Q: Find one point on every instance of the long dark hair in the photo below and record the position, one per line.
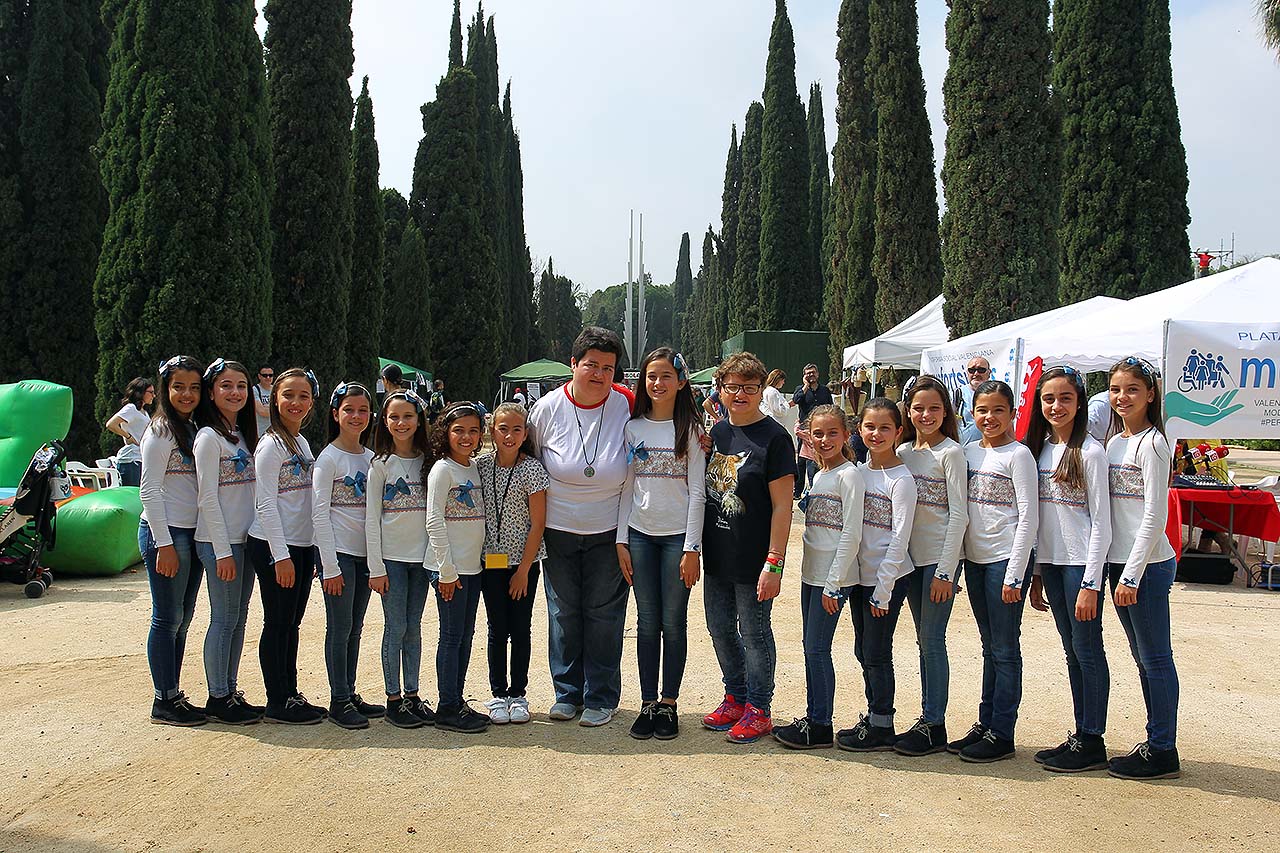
(277, 428)
(995, 386)
(882, 404)
(342, 392)
(438, 443)
(1142, 370)
(949, 427)
(383, 443)
(686, 411)
(136, 391)
(167, 420)
(207, 413)
(1070, 470)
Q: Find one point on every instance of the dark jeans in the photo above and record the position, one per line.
(931, 636)
(402, 609)
(819, 629)
(173, 603)
(457, 627)
(587, 613)
(1146, 624)
(344, 623)
(130, 473)
(742, 635)
(806, 469)
(1000, 629)
(509, 620)
(873, 647)
(228, 612)
(282, 612)
(662, 612)
(1082, 641)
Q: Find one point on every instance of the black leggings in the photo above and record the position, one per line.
(282, 612)
(509, 619)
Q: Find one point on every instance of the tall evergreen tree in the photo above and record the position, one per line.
(13, 60)
(789, 297)
(455, 37)
(907, 263)
(559, 317)
(368, 246)
(717, 307)
(309, 62)
(742, 297)
(681, 293)
(1001, 168)
(819, 203)
(409, 335)
(711, 286)
(519, 269)
(395, 216)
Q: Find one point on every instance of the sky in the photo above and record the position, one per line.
(628, 106)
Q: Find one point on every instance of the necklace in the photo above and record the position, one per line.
(590, 470)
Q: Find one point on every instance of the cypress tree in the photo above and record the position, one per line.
(519, 268)
(1000, 172)
(13, 49)
(742, 297)
(711, 286)
(819, 203)
(717, 307)
(559, 318)
(681, 293)
(368, 246)
(395, 216)
(455, 37)
(409, 332)
(788, 295)
(907, 263)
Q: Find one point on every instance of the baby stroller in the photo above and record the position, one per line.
(26, 527)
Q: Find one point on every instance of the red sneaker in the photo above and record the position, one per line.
(754, 725)
(723, 718)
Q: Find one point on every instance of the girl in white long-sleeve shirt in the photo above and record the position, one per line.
(1075, 531)
(884, 567)
(829, 569)
(281, 542)
(932, 453)
(1003, 517)
(1140, 562)
(225, 477)
(455, 555)
(339, 483)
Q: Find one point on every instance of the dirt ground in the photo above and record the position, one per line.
(82, 770)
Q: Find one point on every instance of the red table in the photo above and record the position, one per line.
(1247, 512)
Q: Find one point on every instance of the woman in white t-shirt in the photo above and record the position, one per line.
(130, 423)
(774, 403)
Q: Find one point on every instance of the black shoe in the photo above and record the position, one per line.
(400, 713)
(257, 709)
(423, 711)
(666, 722)
(311, 707)
(347, 715)
(804, 734)
(642, 728)
(923, 738)
(1045, 754)
(865, 737)
(230, 711)
(987, 750)
(1145, 763)
(177, 711)
(295, 711)
(1083, 752)
(370, 710)
(461, 718)
(976, 731)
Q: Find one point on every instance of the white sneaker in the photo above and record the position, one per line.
(518, 708)
(596, 717)
(497, 710)
(563, 711)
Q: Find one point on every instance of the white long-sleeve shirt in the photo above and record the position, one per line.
(1075, 521)
(339, 481)
(775, 404)
(168, 485)
(942, 514)
(888, 515)
(396, 520)
(1003, 507)
(833, 529)
(1139, 478)
(224, 481)
(282, 495)
(663, 495)
(455, 520)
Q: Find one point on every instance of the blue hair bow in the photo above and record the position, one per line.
(211, 372)
(681, 366)
(357, 483)
(167, 367)
(637, 451)
(298, 464)
(241, 459)
(464, 494)
(399, 487)
(315, 383)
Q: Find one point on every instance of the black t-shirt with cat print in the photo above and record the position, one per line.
(744, 461)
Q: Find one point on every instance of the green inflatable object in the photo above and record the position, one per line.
(32, 412)
(97, 533)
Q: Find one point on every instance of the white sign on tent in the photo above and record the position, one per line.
(1222, 375)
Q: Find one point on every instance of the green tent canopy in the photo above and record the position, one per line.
(543, 369)
(424, 375)
(704, 376)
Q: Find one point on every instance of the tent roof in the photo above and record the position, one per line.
(703, 376)
(425, 374)
(537, 370)
(901, 346)
(1024, 326)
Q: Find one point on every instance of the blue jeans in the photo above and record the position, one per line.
(130, 473)
(1146, 624)
(662, 612)
(344, 622)
(402, 609)
(587, 613)
(228, 612)
(819, 629)
(1082, 641)
(806, 470)
(457, 628)
(742, 635)
(931, 636)
(1000, 629)
(873, 647)
(173, 603)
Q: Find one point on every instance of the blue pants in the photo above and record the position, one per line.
(173, 603)
(873, 647)
(344, 623)
(742, 635)
(1082, 641)
(1146, 624)
(457, 628)
(402, 609)
(931, 636)
(130, 473)
(1000, 629)
(662, 612)
(228, 612)
(819, 629)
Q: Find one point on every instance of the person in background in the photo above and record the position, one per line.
(774, 404)
(713, 406)
(262, 398)
(130, 423)
(979, 371)
(393, 380)
(1100, 415)
(519, 397)
(808, 396)
(436, 401)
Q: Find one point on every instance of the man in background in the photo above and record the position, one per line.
(262, 398)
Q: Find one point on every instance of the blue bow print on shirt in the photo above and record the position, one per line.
(241, 459)
(356, 483)
(637, 451)
(392, 489)
(464, 494)
(186, 460)
(299, 464)
(803, 506)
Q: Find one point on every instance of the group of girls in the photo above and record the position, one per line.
(409, 515)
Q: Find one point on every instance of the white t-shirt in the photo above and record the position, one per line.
(263, 396)
(224, 480)
(168, 486)
(135, 423)
(1100, 415)
(664, 495)
(396, 520)
(1139, 467)
(282, 495)
(1075, 522)
(570, 439)
(833, 529)
(340, 482)
(942, 487)
(455, 520)
(775, 404)
(888, 514)
(1003, 507)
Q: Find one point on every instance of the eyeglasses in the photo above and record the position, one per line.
(974, 371)
(267, 375)
(734, 388)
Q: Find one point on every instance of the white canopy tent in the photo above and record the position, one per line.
(901, 346)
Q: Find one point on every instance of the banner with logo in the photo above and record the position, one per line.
(948, 363)
(1220, 379)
